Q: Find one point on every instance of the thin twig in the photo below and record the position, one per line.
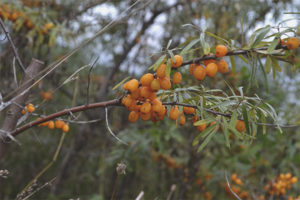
(38, 189)
(140, 196)
(12, 45)
(89, 79)
(236, 196)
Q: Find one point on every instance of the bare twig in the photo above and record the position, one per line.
(12, 45)
(172, 190)
(89, 79)
(39, 188)
(140, 196)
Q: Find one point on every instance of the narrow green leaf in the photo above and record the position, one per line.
(275, 64)
(268, 64)
(169, 44)
(233, 65)
(264, 74)
(207, 139)
(233, 119)
(243, 58)
(260, 36)
(171, 55)
(168, 69)
(225, 130)
(246, 119)
(120, 83)
(216, 37)
(189, 46)
(273, 44)
(201, 122)
(157, 63)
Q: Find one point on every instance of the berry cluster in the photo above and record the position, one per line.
(59, 124)
(236, 188)
(28, 108)
(281, 184)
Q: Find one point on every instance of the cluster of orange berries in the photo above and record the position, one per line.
(236, 188)
(59, 124)
(28, 108)
(281, 184)
(167, 159)
(6, 12)
(47, 96)
(292, 198)
(291, 43)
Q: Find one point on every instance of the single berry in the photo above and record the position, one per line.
(178, 61)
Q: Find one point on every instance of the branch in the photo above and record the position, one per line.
(12, 45)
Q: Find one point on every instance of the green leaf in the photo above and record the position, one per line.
(120, 83)
(233, 119)
(171, 55)
(273, 44)
(268, 64)
(201, 122)
(157, 63)
(189, 46)
(259, 36)
(208, 138)
(205, 45)
(275, 64)
(217, 37)
(226, 132)
(169, 44)
(168, 69)
(243, 58)
(246, 119)
(264, 74)
(233, 65)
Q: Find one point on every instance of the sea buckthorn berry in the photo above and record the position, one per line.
(146, 79)
(155, 85)
(132, 106)
(145, 116)
(176, 78)
(178, 61)
(29, 24)
(201, 127)
(152, 96)
(161, 71)
(222, 66)
(288, 175)
(174, 113)
(240, 126)
(59, 123)
(195, 118)
(206, 62)
(221, 50)
(200, 73)
(51, 125)
(211, 69)
(292, 43)
(131, 85)
(165, 83)
(127, 101)
(145, 92)
(193, 67)
(294, 180)
(182, 119)
(146, 108)
(282, 42)
(45, 123)
(238, 181)
(23, 112)
(30, 108)
(65, 128)
(188, 110)
(233, 177)
(133, 116)
(47, 96)
(135, 94)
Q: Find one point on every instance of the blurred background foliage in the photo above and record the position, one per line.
(160, 154)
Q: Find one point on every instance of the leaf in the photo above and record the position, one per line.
(260, 35)
(169, 44)
(208, 138)
(226, 133)
(264, 74)
(268, 64)
(233, 65)
(205, 45)
(275, 64)
(273, 44)
(243, 58)
(201, 122)
(120, 83)
(171, 55)
(168, 69)
(189, 46)
(217, 37)
(157, 63)
(246, 119)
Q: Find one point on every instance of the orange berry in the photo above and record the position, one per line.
(182, 119)
(135, 94)
(145, 92)
(29, 24)
(161, 71)
(201, 127)
(165, 83)
(206, 62)
(45, 123)
(131, 85)
(238, 181)
(282, 42)
(221, 50)
(146, 79)
(59, 123)
(294, 180)
(133, 116)
(234, 177)
(155, 85)
(193, 67)
(127, 101)
(48, 25)
(23, 112)
(178, 61)
(174, 113)
(51, 125)
(176, 78)
(65, 128)
(145, 116)
(240, 126)
(288, 175)
(222, 66)
(199, 73)
(146, 108)
(30, 108)
(158, 109)
(195, 118)
(211, 69)
(46, 95)
(188, 110)
(152, 96)
(292, 43)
